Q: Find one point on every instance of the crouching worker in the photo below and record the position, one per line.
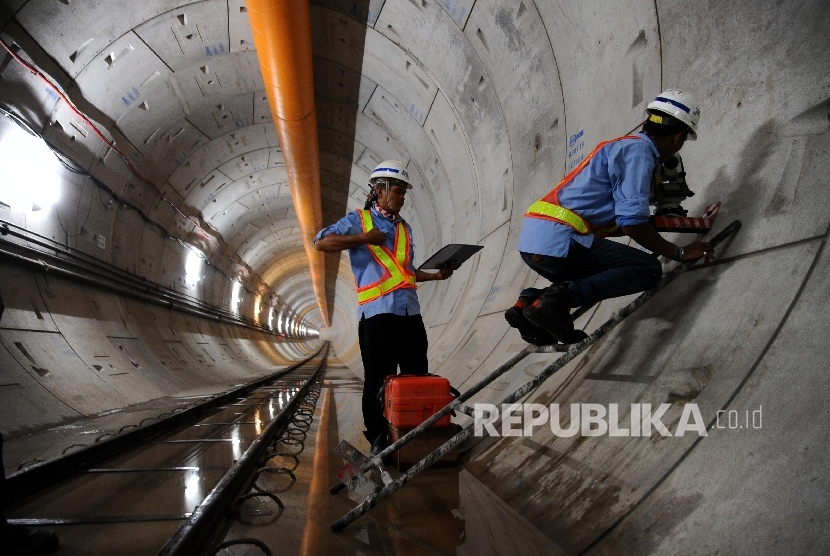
(562, 236)
(390, 330)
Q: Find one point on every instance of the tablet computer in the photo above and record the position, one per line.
(453, 253)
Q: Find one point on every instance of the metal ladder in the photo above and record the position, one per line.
(353, 474)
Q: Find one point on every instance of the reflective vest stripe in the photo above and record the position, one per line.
(548, 207)
(396, 268)
(560, 214)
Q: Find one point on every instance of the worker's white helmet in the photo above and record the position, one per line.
(679, 105)
(392, 169)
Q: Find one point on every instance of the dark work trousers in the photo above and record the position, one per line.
(387, 342)
(608, 269)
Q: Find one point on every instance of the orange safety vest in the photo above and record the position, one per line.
(396, 272)
(548, 208)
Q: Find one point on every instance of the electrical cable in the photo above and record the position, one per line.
(72, 167)
(60, 92)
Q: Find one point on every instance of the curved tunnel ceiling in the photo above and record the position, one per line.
(486, 101)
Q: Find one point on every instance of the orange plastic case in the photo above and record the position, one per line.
(409, 400)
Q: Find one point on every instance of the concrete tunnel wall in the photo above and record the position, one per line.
(490, 103)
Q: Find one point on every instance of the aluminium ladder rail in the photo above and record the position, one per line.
(569, 353)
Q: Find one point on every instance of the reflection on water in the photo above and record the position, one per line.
(236, 443)
(427, 516)
(257, 422)
(422, 518)
(193, 489)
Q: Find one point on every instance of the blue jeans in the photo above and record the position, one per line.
(608, 269)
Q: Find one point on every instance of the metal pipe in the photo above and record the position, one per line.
(141, 291)
(282, 35)
(74, 264)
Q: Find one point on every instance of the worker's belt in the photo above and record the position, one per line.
(396, 273)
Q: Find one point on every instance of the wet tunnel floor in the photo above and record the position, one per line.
(441, 511)
(132, 504)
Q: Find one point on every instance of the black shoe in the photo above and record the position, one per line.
(529, 333)
(552, 313)
(23, 540)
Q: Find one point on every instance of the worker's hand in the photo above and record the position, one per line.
(445, 271)
(698, 249)
(374, 237)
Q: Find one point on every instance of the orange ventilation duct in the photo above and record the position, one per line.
(282, 35)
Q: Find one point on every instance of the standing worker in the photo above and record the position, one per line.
(390, 330)
(562, 236)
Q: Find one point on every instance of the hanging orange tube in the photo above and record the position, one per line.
(282, 35)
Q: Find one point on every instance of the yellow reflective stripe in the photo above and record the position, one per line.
(396, 278)
(403, 252)
(368, 295)
(366, 220)
(569, 217)
(401, 245)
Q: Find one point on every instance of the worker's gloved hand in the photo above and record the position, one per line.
(698, 249)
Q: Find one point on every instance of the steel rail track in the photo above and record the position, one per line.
(134, 478)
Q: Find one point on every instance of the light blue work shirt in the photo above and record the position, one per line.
(612, 188)
(403, 301)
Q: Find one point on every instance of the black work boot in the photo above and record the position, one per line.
(552, 313)
(530, 333)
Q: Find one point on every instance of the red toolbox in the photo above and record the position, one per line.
(409, 400)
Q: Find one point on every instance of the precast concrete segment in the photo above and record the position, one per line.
(793, 364)
(723, 424)
(282, 34)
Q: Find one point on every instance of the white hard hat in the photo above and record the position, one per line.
(679, 105)
(392, 169)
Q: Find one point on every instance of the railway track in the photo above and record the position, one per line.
(171, 487)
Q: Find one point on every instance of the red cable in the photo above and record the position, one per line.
(123, 156)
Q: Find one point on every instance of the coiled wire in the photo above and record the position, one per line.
(288, 445)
